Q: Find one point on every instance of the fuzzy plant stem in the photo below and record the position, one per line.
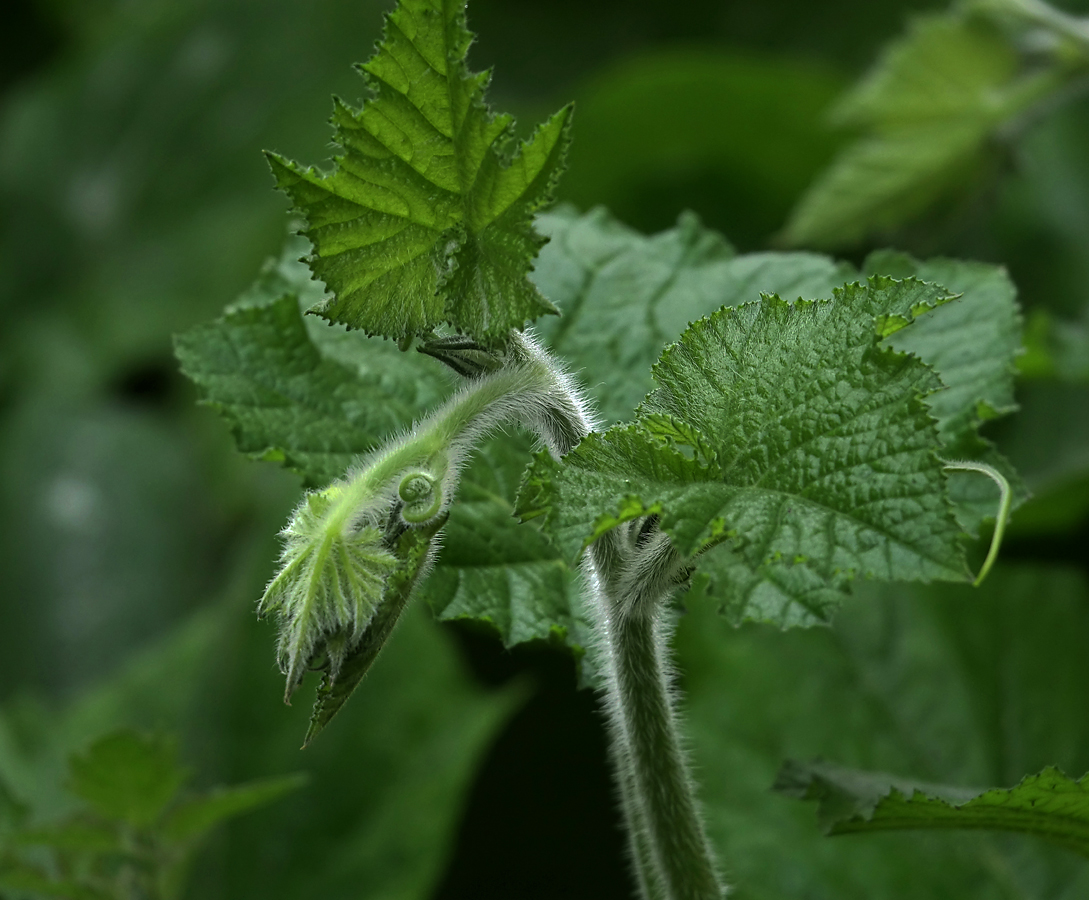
(632, 572)
(444, 439)
(634, 578)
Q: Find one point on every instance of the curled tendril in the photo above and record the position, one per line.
(1005, 504)
(421, 494)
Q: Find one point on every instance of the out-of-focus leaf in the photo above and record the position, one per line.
(74, 835)
(128, 776)
(384, 797)
(15, 876)
(946, 684)
(13, 811)
(1048, 442)
(192, 818)
(734, 136)
(1049, 805)
(1055, 349)
(925, 111)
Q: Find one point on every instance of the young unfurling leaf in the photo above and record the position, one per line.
(426, 217)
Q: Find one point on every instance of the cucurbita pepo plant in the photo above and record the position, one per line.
(811, 425)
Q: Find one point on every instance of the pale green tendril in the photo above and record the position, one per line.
(1005, 503)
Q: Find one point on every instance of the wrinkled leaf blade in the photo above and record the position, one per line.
(814, 456)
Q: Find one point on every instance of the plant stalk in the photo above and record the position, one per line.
(673, 857)
(632, 573)
(632, 576)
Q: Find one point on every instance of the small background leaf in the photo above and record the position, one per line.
(1049, 805)
(925, 111)
(190, 820)
(128, 776)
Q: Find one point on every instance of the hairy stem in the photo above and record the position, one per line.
(634, 580)
(632, 574)
(443, 439)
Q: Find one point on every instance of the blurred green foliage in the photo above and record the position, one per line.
(134, 540)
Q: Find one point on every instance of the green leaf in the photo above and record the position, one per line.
(1048, 441)
(744, 165)
(127, 776)
(426, 217)
(973, 344)
(791, 434)
(13, 811)
(625, 295)
(1056, 348)
(297, 390)
(926, 111)
(943, 683)
(193, 818)
(1049, 804)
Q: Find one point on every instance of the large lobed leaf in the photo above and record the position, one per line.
(426, 217)
(1048, 804)
(296, 390)
(788, 441)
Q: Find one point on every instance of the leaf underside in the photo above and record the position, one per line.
(1048, 804)
(426, 215)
